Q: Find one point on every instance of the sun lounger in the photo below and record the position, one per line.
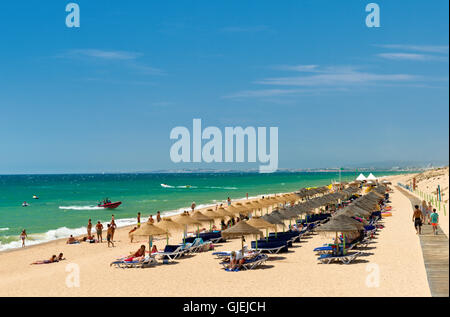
(146, 261)
(270, 246)
(171, 252)
(345, 259)
(327, 249)
(249, 264)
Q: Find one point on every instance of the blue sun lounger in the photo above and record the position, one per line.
(276, 246)
(345, 259)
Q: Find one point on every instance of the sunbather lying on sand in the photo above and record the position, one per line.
(52, 260)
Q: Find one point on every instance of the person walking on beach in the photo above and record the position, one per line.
(89, 228)
(113, 227)
(193, 206)
(424, 209)
(139, 220)
(229, 201)
(109, 234)
(158, 216)
(150, 220)
(130, 234)
(99, 229)
(429, 211)
(417, 219)
(23, 236)
(434, 218)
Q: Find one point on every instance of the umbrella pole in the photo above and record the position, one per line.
(343, 236)
(242, 240)
(198, 231)
(150, 243)
(267, 234)
(167, 238)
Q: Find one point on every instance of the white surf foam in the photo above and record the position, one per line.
(80, 208)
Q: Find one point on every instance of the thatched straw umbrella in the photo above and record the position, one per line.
(186, 220)
(222, 212)
(250, 207)
(211, 213)
(260, 223)
(168, 225)
(349, 220)
(149, 230)
(273, 220)
(197, 215)
(338, 225)
(240, 230)
(241, 208)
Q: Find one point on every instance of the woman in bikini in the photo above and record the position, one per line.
(23, 236)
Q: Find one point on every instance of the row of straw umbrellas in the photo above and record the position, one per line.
(362, 207)
(252, 226)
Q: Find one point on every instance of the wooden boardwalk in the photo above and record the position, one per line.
(435, 254)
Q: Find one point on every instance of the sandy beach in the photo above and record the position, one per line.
(394, 254)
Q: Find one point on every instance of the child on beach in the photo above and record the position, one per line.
(434, 218)
(89, 228)
(23, 236)
(130, 234)
(99, 228)
(109, 234)
(158, 216)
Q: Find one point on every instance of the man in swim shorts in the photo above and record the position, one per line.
(109, 235)
(139, 220)
(434, 219)
(417, 219)
(99, 228)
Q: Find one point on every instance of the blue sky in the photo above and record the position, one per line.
(105, 97)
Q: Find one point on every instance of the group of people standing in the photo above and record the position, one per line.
(425, 213)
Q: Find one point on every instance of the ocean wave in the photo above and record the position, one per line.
(80, 208)
(13, 242)
(4, 229)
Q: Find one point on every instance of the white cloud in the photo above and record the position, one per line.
(104, 55)
(412, 57)
(443, 49)
(297, 68)
(336, 77)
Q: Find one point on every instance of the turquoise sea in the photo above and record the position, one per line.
(66, 202)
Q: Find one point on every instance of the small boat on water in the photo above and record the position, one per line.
(35, 197)
(109, 204)
(25, 204)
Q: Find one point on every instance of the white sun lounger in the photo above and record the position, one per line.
(171, 255)
(345, 259)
